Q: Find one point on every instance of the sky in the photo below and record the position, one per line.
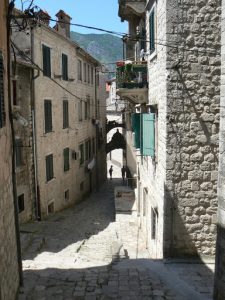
(95, 13)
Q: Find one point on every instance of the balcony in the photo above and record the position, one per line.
(128, 8)
(131, 81)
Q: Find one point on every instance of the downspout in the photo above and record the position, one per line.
(16, 218)
(34, 139)
(97, 132)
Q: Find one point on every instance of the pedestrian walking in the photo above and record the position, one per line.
(123, 172)
(110, 172)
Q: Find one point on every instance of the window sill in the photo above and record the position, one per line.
(50, 180)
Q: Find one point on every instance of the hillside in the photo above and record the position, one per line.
(104, 47)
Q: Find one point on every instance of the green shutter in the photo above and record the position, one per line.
(148, 134)
(135, 121)
(152, 31)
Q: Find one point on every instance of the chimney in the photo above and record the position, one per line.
(44, 16)
(63, 23)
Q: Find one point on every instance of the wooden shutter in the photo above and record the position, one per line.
(65, 114)
(152, 31)
(48, 115)
(49, 167)
(46, 61)
(148, 134)
(66, 152)
(2, 100)
(64, 67)
(135, 122)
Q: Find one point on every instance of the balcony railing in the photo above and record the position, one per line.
(131, 76)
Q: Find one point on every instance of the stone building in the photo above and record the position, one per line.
(219, 290)
(173, 146)
(9, 267)
(22, 114)
(68, 135)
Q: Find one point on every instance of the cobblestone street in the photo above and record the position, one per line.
(82, 253)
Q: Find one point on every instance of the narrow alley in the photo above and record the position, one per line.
(83, 253)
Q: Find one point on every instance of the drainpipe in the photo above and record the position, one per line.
(16, 218)
(96, 132)
(37, 204)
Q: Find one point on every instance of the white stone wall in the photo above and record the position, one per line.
(219, 290)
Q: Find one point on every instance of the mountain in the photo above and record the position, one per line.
(104, 47)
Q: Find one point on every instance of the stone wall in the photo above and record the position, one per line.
(9, 277)
(23, 131)
(219, 290)
(193, 92)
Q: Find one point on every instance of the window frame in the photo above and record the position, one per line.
(49, 168)
(48, 115)
(65, 114)
(64, 67)
(46, 65)
(66, 159)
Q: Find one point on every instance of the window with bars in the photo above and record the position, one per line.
(49, 167)
(19, 152)
(79, 69)
(152, 30)
(46, 52)
(48, 115)
(65, 114)
(2, 100)
(66, 157)
(64, 67)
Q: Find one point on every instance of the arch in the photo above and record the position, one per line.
(117, 142)
(113, 124)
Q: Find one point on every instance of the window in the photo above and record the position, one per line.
(93, 146)
(92, 75)
(14, 92)
(79, 69)
(154, 217)
(135, 121)
(64, 67)
(88, 106)
(81, 149)
(66, 153)
(97, 79)
(89, 149)
(81, 186)
(18, 152)
(20, 201)
(67, 195)
(49, 167)
(85, 110)
(89, 75)
(152, 30)
(65, 114)
(48, 115)
(51, 208)
(85, 72)
(46, 52)
(80, 111)
(86, 150)
(2, 101)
